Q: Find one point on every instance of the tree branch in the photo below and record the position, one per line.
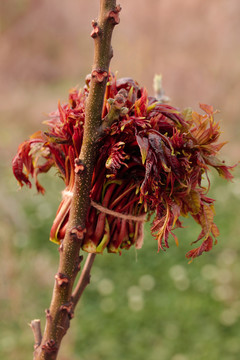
(36, 329)
(83, 281)
(61, 308)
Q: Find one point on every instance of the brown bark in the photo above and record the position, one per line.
(83, 281)
(63, 302)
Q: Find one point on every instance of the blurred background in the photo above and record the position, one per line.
(142, 304)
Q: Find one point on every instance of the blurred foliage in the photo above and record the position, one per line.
(141, 304)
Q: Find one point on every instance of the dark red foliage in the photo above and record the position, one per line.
(151, 161)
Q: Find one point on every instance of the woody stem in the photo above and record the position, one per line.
(84, 279)
(61, 308)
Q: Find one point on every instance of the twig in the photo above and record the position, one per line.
(36, 329)
(158, 90)
(61, 308)
(83, 280)
(116, 109)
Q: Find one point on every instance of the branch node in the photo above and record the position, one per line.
(78, 233)
(50, 346)
(79, 166)
(61, 279)
(96, 29)
(48, 315)
(99, 75)
(114, 15)
(68, 307)
(78, 264)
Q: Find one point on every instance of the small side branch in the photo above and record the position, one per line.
(117, 108)
(83, 280)
(159, 91)
(36, 329)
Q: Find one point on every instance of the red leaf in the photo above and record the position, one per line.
(206, 246)
(207, 108)
(143, 145)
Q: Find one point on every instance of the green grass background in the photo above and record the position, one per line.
(140, 305)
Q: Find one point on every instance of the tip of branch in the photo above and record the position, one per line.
(35, 321)
(36, 329)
